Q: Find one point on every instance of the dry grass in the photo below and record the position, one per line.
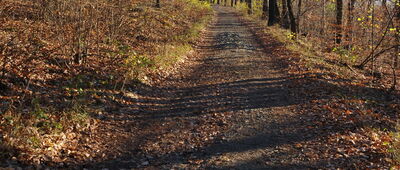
(312, 55)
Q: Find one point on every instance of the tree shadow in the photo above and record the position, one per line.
(272, 137)
(245, 95)
(160, 104)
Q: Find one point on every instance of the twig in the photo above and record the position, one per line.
(371, 55)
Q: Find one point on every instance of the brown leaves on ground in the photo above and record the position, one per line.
(349, 121)
(39, 45)
(185, 135)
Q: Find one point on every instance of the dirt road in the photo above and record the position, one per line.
(228, 109)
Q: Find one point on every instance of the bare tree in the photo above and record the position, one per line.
(339, 18)
(397, 44)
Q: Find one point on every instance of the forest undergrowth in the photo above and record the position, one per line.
(64, 62)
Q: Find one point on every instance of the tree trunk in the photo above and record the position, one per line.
(158, 5)
(372, 2)
(349, 34)
(272, 20)
(299, 6)
(323, 20)
(277, 13)
(293, 24)
(339, 18)
(265, 9)
(285, 16)
(396, 54)
(250, 6)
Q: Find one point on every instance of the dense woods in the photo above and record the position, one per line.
(82, 80)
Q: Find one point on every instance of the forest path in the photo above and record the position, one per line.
(249, 85)
(229, 109)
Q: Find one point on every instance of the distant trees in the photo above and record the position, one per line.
(364, 32)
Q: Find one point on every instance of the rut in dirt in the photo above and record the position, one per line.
(235, 78)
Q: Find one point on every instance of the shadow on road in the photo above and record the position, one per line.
(216, 94)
